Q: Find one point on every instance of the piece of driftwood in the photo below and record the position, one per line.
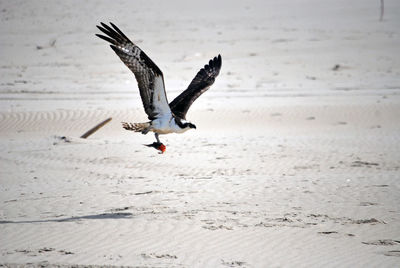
(95, 128)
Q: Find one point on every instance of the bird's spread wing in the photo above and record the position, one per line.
(202, 81)
(149, 77)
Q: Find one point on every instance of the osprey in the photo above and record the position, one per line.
(164, 118)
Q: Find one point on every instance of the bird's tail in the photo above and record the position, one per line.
(137, 127)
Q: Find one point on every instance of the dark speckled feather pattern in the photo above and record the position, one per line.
(149, 77)
(200, 84)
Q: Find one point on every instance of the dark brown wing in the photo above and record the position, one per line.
(200, 84)
(149, 77)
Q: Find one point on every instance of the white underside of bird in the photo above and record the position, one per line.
(166, 124)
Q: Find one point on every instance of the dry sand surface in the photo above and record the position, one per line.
(295, 161)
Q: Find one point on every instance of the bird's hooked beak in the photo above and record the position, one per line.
(192, 126)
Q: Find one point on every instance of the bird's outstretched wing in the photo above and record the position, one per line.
(149, 77)
(200, 84)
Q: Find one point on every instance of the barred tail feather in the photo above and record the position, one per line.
(137, 127)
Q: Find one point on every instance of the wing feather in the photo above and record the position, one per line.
(200, 84)
(149, 77)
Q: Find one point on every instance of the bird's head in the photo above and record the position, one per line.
(184, 125)
(190, 125)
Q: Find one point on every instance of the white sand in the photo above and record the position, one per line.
(293, 164)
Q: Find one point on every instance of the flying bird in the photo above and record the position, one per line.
(164, 117)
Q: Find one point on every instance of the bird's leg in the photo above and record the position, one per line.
(158, 140)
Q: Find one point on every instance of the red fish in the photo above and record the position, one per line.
(157, 145)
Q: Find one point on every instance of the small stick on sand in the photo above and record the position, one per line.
(95, 128)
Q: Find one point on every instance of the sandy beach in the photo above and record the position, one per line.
(295, 161)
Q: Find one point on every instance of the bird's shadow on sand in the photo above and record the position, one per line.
(102, 216)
